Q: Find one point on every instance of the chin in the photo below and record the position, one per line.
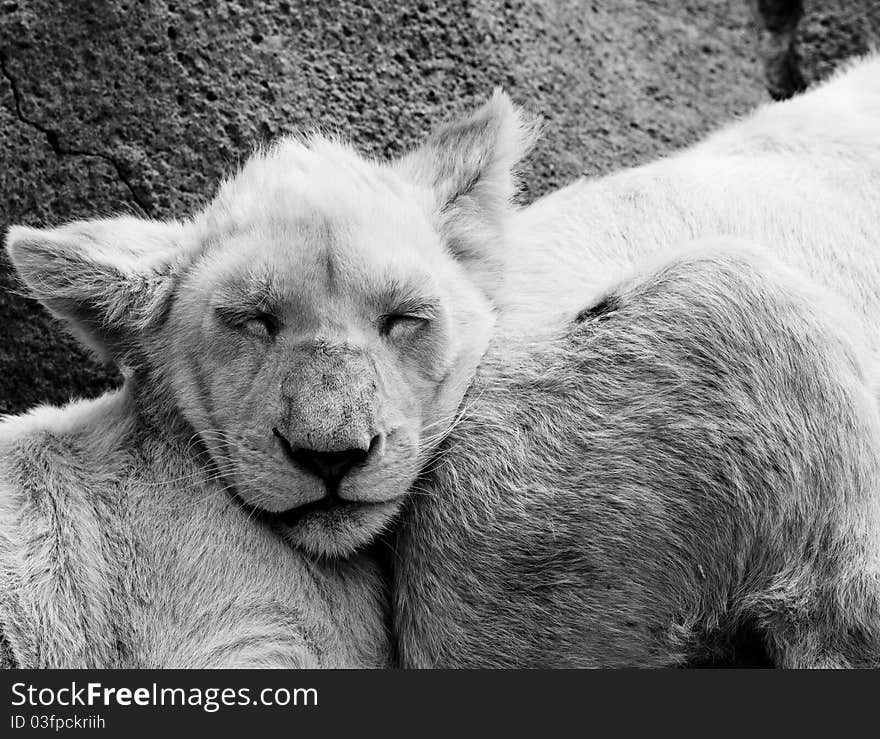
(334, 527)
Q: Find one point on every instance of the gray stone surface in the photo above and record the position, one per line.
(120, 105)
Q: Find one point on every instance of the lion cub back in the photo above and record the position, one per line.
(686, 468)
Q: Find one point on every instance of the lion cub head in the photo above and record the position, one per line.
(316, 325)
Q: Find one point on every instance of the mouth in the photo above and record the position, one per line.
(329, 504)
(327, 527)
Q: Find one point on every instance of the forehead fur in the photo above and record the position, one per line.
(312, 179)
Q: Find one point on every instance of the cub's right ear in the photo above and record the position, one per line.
(108, 279)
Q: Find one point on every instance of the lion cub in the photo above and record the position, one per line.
(293, 353)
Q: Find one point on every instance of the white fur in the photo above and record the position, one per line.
(142, 528)
(800, 177)
(118, 550)
(664, 455)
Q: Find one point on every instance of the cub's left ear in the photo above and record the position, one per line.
(108, 279)
(469, 167)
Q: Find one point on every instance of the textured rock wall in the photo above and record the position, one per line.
(119, 105)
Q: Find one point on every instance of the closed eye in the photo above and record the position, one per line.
(399, 322)
(255, 323)
(261, 325)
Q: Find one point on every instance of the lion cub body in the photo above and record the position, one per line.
(684, 473)
(679, 467)
(118, 550)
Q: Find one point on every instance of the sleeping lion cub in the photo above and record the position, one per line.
(633, 472)
(315, 327)
(292, 356)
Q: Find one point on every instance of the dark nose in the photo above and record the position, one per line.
(331, 467)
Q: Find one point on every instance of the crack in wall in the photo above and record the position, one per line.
(54, 140)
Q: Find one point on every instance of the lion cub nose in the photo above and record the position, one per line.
(330, 467)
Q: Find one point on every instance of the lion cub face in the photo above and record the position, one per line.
(316, 326)
(322, 340)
